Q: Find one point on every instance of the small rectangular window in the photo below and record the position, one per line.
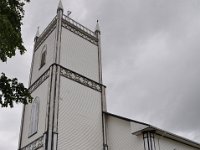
(43, 59)
(43, 56)
(34, 118)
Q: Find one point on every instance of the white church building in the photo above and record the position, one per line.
(68, 111)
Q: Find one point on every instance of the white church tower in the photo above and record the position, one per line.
(66, 84)
(69, 107)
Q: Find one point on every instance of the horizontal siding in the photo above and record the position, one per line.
(79, 55)
(163, 143)
(41, 92)
(80, 117)
(120, 137)
(37, 72)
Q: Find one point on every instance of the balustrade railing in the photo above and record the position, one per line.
(48, 27)
(78, 25)
(44, 34)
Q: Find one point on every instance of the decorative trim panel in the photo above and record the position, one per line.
(35, 144)
(79, 32)
(149, 141)
(39, 81)
(46, 33)
(78, 25)
(80, 79)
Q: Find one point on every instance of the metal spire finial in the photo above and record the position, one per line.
(60, 6)
(38, 32)
(97, 29)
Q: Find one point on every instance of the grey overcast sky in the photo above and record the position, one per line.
(151, 60)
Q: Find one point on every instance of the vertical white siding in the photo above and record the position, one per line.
(80, 117)
(37, 71)
(79, 55)
(41, 92)
(163, 143)
(120, 137)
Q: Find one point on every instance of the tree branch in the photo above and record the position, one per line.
(11, 91)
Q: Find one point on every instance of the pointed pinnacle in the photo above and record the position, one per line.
(97, 29)
(60, 6)
(38, 32)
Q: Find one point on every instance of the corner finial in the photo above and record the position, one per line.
(68, 13)
(60, 6)
(97, 29)
(37, 33)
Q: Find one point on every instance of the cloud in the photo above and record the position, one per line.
(151, 64)
(9, 127)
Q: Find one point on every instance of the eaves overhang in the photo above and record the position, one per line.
(157, 131)
(166, 134)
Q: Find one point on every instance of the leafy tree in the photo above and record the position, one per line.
(11, 15)
(12, 91)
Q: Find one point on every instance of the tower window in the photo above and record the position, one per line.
(33, 126)
(43, 56)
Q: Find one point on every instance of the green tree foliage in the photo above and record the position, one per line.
(11, 15)
(12, 91)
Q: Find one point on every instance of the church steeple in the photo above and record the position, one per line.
(66, 84)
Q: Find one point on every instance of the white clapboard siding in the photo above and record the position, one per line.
(120, 137)
(163, 143)
(41, 92)
(79, 55)
(37, 71)
(80, 117)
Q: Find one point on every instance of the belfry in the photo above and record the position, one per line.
(68, 111)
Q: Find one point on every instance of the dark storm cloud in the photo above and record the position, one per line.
(150, 53)
(151, 64)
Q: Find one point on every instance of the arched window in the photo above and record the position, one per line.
(33, 127)
(43, 56)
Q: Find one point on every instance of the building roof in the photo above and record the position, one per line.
(158, 131)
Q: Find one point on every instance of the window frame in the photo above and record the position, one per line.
(43, 56)
(34, 117)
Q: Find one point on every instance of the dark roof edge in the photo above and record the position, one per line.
(128, 119)
(164, 133)
(179, 138)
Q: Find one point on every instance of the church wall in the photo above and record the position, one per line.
(41, 92)
(80, 117)
(37, 71)
(120, 137)
(163, 143)
(79, 55)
